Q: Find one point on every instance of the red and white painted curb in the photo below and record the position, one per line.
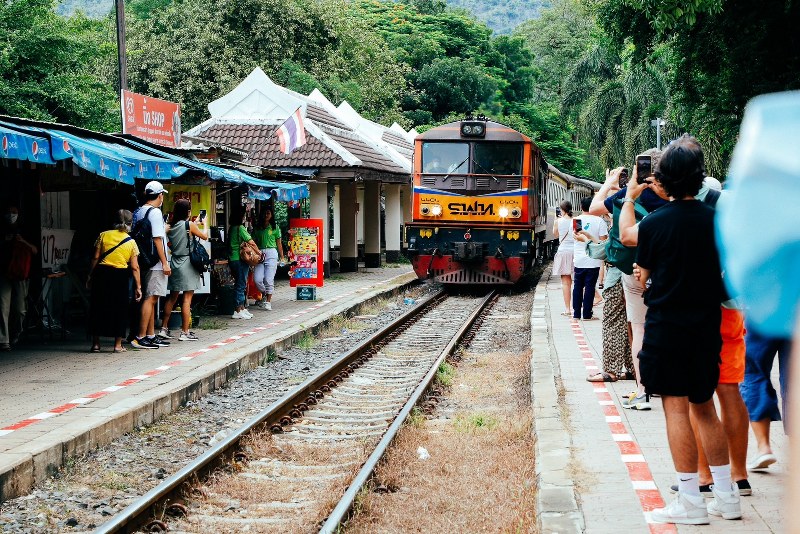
(638, 470)
(86, 399)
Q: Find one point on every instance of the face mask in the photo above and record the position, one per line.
(11, 217)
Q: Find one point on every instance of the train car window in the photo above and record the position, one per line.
(497, 158)
(444, 158)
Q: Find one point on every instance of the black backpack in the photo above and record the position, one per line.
(142, 233)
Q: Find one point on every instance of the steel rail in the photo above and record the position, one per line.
(342, 509)
(151, 506)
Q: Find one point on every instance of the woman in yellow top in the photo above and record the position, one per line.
(109, 279)
(267, 236)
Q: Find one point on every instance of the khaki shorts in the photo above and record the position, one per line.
(155, 284)
(635, 308)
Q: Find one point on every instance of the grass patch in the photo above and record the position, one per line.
(306, 341)
(416, 418)
(445, 374)
(211, 323)
(474, 422)
(337, 278)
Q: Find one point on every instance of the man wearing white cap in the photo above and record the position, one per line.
(154, 281)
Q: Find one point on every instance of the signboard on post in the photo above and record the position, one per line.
(152, 119)
(305, 253)
(56, 244)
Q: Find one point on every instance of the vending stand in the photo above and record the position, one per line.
(305, 254)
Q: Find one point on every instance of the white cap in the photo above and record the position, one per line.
(712, 183)
(154, 188)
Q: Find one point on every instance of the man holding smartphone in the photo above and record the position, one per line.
(587, 269)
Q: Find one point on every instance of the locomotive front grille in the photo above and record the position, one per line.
(429, 181)
(482, 183)
(458, 182)
(467, 276)
(513, 183)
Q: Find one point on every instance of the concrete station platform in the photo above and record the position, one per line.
(60, 401)
(602, 468)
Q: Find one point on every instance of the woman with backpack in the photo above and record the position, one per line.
(114, 261)
(185, 279)
(241, 243)
(15, 262)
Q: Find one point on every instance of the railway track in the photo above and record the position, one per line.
(313, 450)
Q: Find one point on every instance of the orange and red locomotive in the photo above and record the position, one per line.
(479, 203)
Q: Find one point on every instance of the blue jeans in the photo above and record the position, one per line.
(757, 391)
(240, 270)
(583, 291)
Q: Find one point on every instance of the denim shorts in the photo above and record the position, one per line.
(757, 390)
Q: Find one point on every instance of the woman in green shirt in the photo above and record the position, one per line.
(239, 269)
(267, 236)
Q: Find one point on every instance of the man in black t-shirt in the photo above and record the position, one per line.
(678, 263)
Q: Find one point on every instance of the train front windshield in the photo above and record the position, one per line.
(443, 158)
(497, 158)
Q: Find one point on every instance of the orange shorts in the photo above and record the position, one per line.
(731, 370)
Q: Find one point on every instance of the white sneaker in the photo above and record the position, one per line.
(237, 315)
(246, 314)
(188, 336)
(684, 510)
(263, 304)
(267, 305)
(165, 333)
(725, 504)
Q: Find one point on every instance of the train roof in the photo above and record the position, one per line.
(573, 179)
(495, 131)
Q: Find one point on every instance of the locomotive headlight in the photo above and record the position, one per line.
(516, 212)
(425, 210)
(436, 210)
(503, 212)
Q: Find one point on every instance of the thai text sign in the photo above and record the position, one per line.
(305, 252)
(151, 119)
(56, 244)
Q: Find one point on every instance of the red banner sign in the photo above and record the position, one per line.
(151, 119)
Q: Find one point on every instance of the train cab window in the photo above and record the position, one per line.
(444, 158)
(497, 158)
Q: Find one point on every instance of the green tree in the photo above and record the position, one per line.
(53, 68)
(453, 85)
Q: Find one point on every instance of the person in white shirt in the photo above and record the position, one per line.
(562, 262)
(587, 269)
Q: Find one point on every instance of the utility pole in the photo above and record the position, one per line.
(658, 123)
(122, 56)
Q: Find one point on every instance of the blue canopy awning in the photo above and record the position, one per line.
(15, 144)
(257, 188)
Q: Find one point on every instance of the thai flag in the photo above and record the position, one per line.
(292, 133)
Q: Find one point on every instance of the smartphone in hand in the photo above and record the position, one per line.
(644, 168)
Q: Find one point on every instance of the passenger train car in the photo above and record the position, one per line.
(483, 203)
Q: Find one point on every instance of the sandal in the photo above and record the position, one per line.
(602, 377)
(121, 349)
(628, 376)
(95, 348)
(566, 314)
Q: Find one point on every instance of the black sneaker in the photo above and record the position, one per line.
(143, 343)
(744, 487)
(705, 490)
(160, 341)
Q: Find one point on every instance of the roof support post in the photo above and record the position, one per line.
(372, 224)
(394, 222)
(318, 192)
(347, 227)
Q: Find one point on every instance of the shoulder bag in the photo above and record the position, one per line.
(620, 256)
(248, 253)
(198, 256)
